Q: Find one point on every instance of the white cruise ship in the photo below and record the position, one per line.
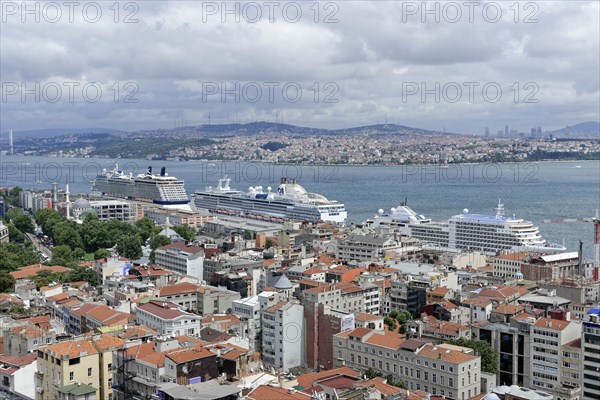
(289, 202)
(489, 234)
(160, 189)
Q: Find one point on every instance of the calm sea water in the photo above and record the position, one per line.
(533, 191)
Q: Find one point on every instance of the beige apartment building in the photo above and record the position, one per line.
(85, 360)
(442, 370)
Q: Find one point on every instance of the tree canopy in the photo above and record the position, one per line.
(489, 357)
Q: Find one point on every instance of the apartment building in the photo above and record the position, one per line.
(442, 370)
(548, 338)
(507, 266)
(366, 248)
(408, 295)
(183, 294)
(140, 368)
(213, 300)
(3, 233)
(513, 344)
(591, 355)
(185, 259)
(86, 360)
(249, 310)
(347, 297)
(106, 210)
(283, 335)
(167, 318)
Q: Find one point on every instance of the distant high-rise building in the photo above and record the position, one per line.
(10, 142)
(487, 131)
(500, 133)
(539, 130)
(506, 131)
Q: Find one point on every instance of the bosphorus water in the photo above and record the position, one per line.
(532, 191)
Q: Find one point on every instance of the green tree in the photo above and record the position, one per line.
(24, 223)
(11, 197)
(130, 247)
(186, 232)
(14, 256)
(268, 244)
(403, 317)
(7, 282)
(79, 253)
(66, 233)
(47, 218)
(390, 322)
(78, 274)
(101, 253)
(145, 227)
(489, 357)
(91, 232)
(14, 234)
(15, 309)
(62, 255)
(158, 241)
(45, 278)
(247, 235)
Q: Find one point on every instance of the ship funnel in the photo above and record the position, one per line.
(149, 172)
(162, 171)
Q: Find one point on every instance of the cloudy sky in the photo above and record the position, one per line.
(459, 66)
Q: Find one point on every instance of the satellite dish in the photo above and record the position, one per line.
(380, 211)
(465, 211)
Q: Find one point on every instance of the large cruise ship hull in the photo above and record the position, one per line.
(270, 209)
(467, 232)
(140, 191)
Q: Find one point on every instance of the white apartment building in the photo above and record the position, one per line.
(182, 258)
(548, 337)
(347, 297)
(442, 370)
(167, 319)
(283, 335)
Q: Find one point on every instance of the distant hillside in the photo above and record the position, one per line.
(46, 133)
(584, 130)
(263, 127)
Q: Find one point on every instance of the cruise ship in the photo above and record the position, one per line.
(289, 202)
(162, 189)
(489, 234)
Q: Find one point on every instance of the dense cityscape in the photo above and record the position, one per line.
(300, 200)
(375, 145)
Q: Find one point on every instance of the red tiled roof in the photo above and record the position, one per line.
(162, 309)
(32, 270)
(271, 393)
(187, 355)
(182, 247)
(179, 288)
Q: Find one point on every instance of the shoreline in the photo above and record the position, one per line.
(204, 161)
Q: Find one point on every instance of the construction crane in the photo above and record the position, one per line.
(596, 221)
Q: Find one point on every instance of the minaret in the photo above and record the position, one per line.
(55, 195)
(67, 201)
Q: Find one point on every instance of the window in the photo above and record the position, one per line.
(89, 372)
(109, 366)
(71, 376)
